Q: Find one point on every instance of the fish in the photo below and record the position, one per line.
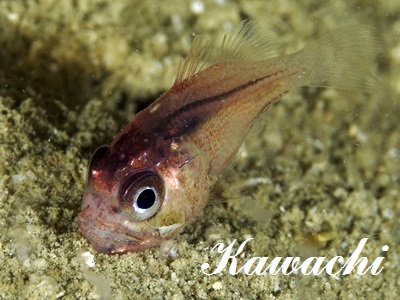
(155, 176)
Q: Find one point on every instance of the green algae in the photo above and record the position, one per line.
(321, 168)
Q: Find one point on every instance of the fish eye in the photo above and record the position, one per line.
(141, 195)
(94, 162)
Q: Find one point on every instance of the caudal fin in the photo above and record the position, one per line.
(342, 59)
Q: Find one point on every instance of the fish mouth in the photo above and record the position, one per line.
(108, 230)
(103, 227)
(105, 240)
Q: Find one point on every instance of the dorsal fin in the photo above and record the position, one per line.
(195, 61)
(247, 42)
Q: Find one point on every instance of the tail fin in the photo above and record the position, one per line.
(342, 59)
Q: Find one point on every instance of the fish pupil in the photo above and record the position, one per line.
(146, 199)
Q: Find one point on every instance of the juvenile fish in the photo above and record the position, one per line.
(154, 178)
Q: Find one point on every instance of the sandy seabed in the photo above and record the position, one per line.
(319, 172)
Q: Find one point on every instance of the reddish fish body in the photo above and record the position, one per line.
(155, 176)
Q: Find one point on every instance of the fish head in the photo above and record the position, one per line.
(136, 197)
